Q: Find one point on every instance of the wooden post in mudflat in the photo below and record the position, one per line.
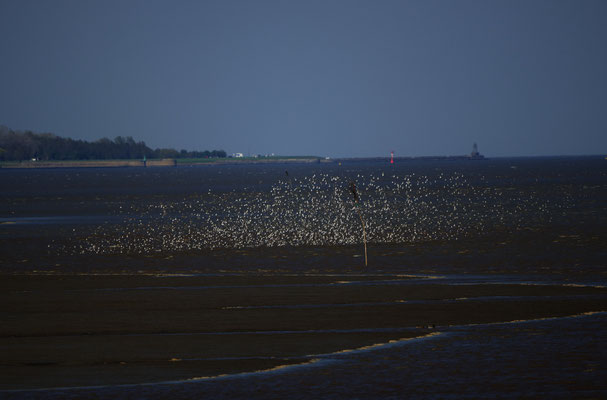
(356, 205)
(364, 233)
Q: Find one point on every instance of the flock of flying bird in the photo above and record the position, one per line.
(317, 210)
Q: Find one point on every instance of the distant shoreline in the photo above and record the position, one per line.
(412, 158)
(257, 160)
(173, 162)
(167, 162)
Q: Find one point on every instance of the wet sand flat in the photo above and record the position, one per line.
(87, 330)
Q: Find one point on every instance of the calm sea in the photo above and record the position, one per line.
(514, 220)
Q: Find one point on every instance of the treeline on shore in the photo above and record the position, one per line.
(27, 145)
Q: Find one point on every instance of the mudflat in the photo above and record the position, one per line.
(90, 330)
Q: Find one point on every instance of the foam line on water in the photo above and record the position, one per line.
(313, 360)
(173, 382)
(377, 346)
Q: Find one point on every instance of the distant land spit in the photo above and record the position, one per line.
(166, 162)
(171, 162)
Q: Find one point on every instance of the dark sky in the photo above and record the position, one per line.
(330, 78)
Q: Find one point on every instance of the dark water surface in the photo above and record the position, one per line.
(442, 235)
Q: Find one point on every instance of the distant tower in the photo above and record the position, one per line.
(475, 155)
(474, 151)
(392, 157)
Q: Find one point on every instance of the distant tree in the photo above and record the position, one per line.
(17, 146)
